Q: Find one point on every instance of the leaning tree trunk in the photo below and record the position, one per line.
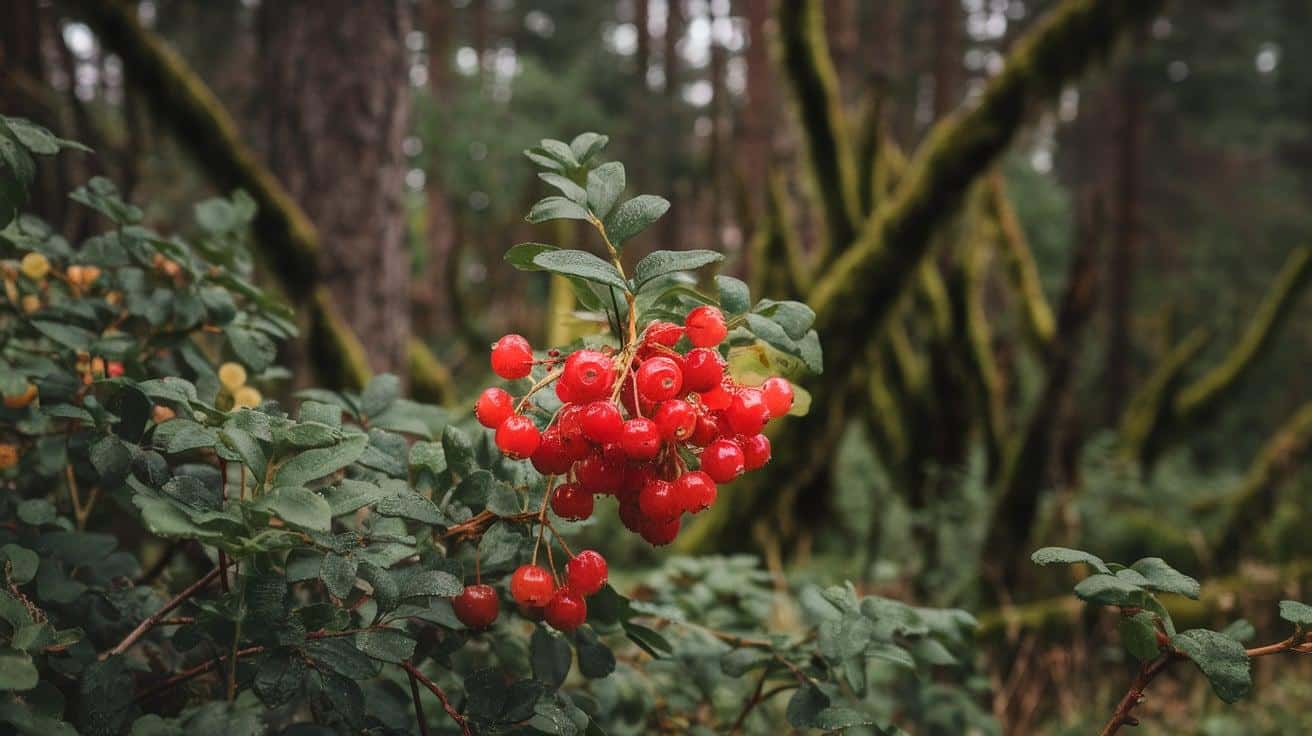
(338, 106)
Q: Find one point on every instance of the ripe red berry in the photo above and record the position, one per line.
(631, 516)
(663, 333)
(565, 393)
(778, 393)
(567, 610)
(641, 440)
(114, 368)
(551, 457)
(716, 398)
(659, 379)
(494, 406)
(703, 369)
(636, 477)
(695, 491)
(601, 422)
(518, 436)
(747, 412)
(512, 357)
(531, 585)
(586, 573)
(676, 420)
(569, 501)
(477, 606)
(597, 473)
(589, 374)
(705, 327)
(658, 501)
(723, 461)
(659, 532)
(706, 431)
(756, 451)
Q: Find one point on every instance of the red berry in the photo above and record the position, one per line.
(695, 491)
(716, 398)
(631, 516)
(663, 333)
(659, 379)
(586, 573)
(747, 412)
(723, 461)
(660, 532)
(706, 431)
(598, 474)
(601, 422)
(114, 368)
(494, 406)
(565, 393)
(703, 369)
(512, 357)
(569, 501)
(531, 585)
(641, 439)
(706, 327)
(551, 457)
(518, 436)
(589, 374)
(756, 451)
(477, 606)
(658, 501)
(778, 393)
(636, 477)
(676, 420)
(567, 610)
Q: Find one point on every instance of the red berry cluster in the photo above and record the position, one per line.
(631, 417)
(534, 588)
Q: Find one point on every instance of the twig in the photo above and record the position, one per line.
(156, 617)
(196, 671)
(419, 707)
(751, 702)
(460, 720)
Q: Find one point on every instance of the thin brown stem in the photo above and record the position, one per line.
(441, 696)
(146, 625)
(419, 706)
(751, 702)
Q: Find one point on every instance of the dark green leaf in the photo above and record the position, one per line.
(1139, 635)
(338, 574)
(567, 187)
(300, 507)
(521, 256)
(318, 463)
(386, 645)
(605, 185)
(1067, 556)
(663, 262)
(556, 208)
(581, 264)
(1222, 660)
(1108, 590)
(1163, 577)
(382, 390)
(1299, 614)
(734, 297)
(550, 656)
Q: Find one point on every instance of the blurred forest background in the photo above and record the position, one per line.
(1103, 340)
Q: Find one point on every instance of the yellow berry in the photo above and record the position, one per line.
(90, 274)
(232, 376)
(18, 401)
(246, 396)
(35, 266)
(31, 303)
(8, 455)
(74, 274)
(98, 366)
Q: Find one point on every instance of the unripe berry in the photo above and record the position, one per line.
(531, 585)
(602, 422)
(747, 412)
(659, 379)
(8, 455)
(703, 369)
(567, 610)
(518, 437)
(706, 328)
(641, 439)
(586, 573)
(658, 532)
(663, 333)
(246, 397)
(778, 394)
(676, 420)
(589, 374)
(30, 303)
(551, 458)
(695, 491)
(35, 266)
(160, 413)
(756, 451)
(89, 275)
(18, 401)
(723, 461)
(658, 501)
(512, 357)
(569, 501)
(494, 406)
(114, 368)
(232, 376)
(477, 606)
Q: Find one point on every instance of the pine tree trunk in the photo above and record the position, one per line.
(338, 106)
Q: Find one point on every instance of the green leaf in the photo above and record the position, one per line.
(1163, 577)
(794, 317)
(634, 216)
(385, 645)
(70, 336)
(771, 334)
(738, 662)
(1067, 556)
(550, 656)
(410, 505)
(378, 395)
(318, 463)
(521, 256)
(458, 450)
(1108, 590)
(1222, 660)
(112, 459)
(1139, 635)
(338, 574)
(605, 185)
(17, 671)
(567, 187)
(596, 660)
(351, 495)
(340, 655)
(556, 208)
(805, 706)
(587, 145)
(647, 639)
(1299, 614)
(663, 262)
(560, 151)
(254, 348)
(300, 507)
(419, 582)
(734, 296)
(20, 563)
(386, 592)
(582, 264)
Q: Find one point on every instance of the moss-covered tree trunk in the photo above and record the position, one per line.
(336, 98)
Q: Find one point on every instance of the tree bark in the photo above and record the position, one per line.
(338, 107)
(1119, 365)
